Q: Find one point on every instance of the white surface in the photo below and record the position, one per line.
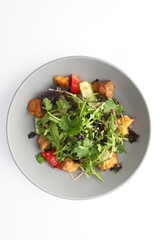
(125, 33)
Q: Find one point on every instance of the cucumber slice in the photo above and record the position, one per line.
(86, 90)
(36, 126)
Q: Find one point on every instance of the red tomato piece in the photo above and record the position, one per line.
(75, 81)
(51, 158)
(113, 112)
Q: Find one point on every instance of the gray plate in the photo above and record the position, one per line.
(20, 123)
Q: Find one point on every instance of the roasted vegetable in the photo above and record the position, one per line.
(127, 123)
(63, 82)
(69, 166)
(109, 163)
(34, 106)
(86, 90)
(104, 88)
(44, 143)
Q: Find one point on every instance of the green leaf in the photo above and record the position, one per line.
(54, 133)
(93, 153)
(83, 148)
(40, 158)
(44, 120)
(97, 174)
(120, 149)
(53, 119)
(63, 105)
(75, 126)
(81, 151)
(40, 129)
(63, 136)
(47, 104)
(46, 131)
(71, 127)
(64, 123)
(99, 147)
(110, 104)
(49, 138)
(87, 143)
(119, 109)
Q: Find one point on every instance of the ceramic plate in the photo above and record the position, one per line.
(20, 123)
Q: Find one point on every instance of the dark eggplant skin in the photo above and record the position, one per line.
(53, 96)
(116, 168)
(132, 136)
(31, 135)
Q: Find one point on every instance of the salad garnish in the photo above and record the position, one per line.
(80, 126)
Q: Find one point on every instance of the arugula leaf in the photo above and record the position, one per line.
(91, 167)
(63, 136)
(47, 104)
(96, 173)
(48, 137)
(46, 118)
(46, 131)
(112, 126)
(40, 129)
(94, 152)
(54, 133)
(86, 166)
(40, 158)
(53, 119)
(121, 149)
(43, 120)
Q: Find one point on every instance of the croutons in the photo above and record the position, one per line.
(104, 88)
(43, 142)
(34, 106)
(69, 165)
(127, 123)
(109, 163)
(64, 82)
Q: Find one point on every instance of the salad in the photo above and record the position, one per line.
(80, 126)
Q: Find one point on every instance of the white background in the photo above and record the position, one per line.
(125, 33)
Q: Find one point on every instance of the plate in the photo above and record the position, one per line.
(20, 123)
